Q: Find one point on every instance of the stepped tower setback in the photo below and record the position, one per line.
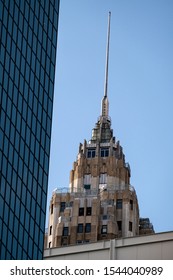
(100, 202)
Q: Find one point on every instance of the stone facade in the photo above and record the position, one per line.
(100, 203)
(77, 218)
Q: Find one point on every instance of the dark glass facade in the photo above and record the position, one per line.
(28, 41)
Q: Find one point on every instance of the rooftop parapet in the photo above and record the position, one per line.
(96, 192)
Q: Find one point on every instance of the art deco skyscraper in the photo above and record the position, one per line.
(100, 203)
(28, 32)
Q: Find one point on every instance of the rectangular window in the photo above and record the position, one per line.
(81, 211)
(62, 207)
(87, 187)
(88, 227)
(104, 229)
(119, 223)
(50, 230)
(91, 153)
(119, 204)
(79, 242)
(80, 228)
(88, 211)
(105, 217)
(131, 204)
(104, 152)
(69, 204)
(87, 179)
(103, 178)
(65, 231)
(130, 226)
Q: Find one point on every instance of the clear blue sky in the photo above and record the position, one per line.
(140, 92)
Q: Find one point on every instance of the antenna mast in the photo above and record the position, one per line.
(105, 102)
(107, 57)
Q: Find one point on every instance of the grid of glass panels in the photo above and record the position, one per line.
(28, 32)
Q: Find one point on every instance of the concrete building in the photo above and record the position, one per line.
(100, 203)
(147, 247)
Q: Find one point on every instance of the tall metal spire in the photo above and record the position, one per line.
(105, 103)
(107, 56)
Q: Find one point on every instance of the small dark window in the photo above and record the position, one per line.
(87, 187)
(131, 204)
(91, 153)
(104, 152)
(79, 242)
(88, 227)
(103, 178)
(88, 211)
(80, 228)
(71, 203)
(51, 211)
(50, 230)
(130, 226)
(49, 244)
(64, 241)
(62, 207)
(119, 223)
(65, 231)
(104, 229)
(105, 217)
(119, 204)
(81, 211)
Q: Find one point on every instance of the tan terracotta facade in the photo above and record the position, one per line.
(90, 217)
(100, 203)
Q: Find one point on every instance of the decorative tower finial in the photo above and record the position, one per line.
(107, 56)
(105, 103)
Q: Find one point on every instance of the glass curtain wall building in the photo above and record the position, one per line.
(28, 42)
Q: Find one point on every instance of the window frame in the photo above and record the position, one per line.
(119, 224)
(50, 230)
(104, 229)
(80, 228)
(88, 211)
(65, 231)
(119, 204)
(91, 153)
(81, 211)
(87, 227)
(130, 226)
(104, 152)
(131, 204)
(62, 206)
